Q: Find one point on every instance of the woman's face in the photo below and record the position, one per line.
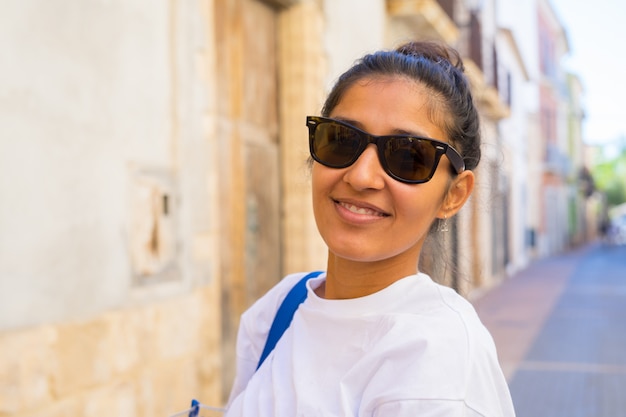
(363, 214)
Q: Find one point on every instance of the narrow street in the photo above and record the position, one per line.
(560, 330)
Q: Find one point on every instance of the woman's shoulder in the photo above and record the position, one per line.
(441, 316)
(426, 297)
(267, 305)
(442, 340)
(257, 319)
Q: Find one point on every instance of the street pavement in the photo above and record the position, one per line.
(560, 329)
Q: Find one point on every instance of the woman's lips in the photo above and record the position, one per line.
(361, 209)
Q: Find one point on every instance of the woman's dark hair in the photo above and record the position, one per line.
(439, 68)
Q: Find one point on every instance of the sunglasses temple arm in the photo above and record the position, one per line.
(455, 159)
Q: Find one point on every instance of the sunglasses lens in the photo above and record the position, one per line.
(336, 145)
(410, 159)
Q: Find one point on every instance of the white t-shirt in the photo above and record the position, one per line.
(415, 348)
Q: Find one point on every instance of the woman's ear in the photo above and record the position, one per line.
(459, 191)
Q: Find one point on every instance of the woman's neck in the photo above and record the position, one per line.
(352, 279)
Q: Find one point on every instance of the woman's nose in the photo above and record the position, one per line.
(366, 172)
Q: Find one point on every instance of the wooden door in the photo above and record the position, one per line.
(249, 160)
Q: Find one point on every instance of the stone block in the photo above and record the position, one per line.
(114, 399)
(71, 406)
(168, 387)
(177, 327)
(26, 365)
(81, 353)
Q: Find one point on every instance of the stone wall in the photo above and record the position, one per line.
(144, 361)
(110, 298)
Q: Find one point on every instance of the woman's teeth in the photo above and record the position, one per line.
(361, 210)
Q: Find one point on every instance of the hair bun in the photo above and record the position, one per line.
(433, 51)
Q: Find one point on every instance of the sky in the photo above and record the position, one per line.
(597, 34)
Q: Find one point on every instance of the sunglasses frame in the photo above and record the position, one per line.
(441, 148)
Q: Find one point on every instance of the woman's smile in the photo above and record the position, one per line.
(357, 211)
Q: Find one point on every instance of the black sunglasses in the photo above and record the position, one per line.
(406, 158)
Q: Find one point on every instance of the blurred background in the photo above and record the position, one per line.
(153, 175)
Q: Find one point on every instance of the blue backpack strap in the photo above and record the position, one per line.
(285, 313)
(195, 408)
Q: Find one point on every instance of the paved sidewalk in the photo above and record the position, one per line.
(560, 330)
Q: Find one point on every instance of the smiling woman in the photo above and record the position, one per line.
(374, 336)
(379, 105)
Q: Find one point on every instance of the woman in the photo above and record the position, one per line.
(393, 156)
